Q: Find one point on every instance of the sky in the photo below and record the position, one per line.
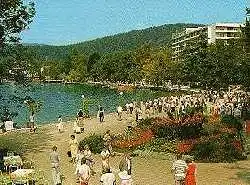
(63, 22)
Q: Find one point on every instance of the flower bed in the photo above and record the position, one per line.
(184, 127)
(182, 121)
(135, 138)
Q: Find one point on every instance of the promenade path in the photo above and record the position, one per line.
(146, 171)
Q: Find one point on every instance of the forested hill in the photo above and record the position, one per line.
(157, 36)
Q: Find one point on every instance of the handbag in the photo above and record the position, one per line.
(69, 154)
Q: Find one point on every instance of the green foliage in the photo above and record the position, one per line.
(244, 175)
(217, 65)
(231, 121)
(220, 149)
(15, 16)
(5, 180)
(157, 36)
(95, 142)
(160, 145)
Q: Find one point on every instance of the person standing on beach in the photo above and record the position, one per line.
(32, 122)
(191, 172)
(108, 141)
(84, 173)
(105, 158)
(101, 114)
(131, 107)
(79, 157)
(54, 159)
(179, 169)
(107, 178)
(89, 158)
(73, 144)
(60, 124)
(126, 164)
(119, 112)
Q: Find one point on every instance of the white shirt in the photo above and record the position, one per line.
(119, 109)
(32, 118)
(108, 179)
(179, 168)
(84, 171)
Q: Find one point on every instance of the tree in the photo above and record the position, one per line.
(15, 16)
(194, 56)
(246, 32)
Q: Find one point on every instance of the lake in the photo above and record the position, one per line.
(66, 99)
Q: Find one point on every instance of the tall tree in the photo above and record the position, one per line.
(15, 16)
(246, 31)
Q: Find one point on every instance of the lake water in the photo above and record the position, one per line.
(66, 100)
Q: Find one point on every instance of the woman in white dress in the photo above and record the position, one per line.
(60, 124)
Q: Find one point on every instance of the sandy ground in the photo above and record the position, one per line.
(146, 171)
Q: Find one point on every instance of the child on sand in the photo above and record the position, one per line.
(60, 124)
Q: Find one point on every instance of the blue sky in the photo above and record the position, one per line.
(62, 22)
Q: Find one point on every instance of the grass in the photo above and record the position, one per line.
(244, 175)
(21, 142)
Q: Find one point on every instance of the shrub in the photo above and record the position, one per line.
(231, 121)
(160, 145)
(187, 126)
(95, 143)
(133, 139)
(222, 148)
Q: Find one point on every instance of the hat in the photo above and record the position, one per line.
(124, 175)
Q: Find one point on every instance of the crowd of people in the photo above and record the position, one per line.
(83, 160)
(233, 102)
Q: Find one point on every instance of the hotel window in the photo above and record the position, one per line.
(220, 28)
(220, 35)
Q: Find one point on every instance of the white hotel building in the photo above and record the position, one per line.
(212, 33)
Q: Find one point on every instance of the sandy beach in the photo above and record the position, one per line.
(147, 170)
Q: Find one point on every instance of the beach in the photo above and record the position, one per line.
(146, 170)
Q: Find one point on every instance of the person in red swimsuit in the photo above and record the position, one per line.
(190, 178)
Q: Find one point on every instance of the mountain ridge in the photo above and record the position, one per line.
(157, 36)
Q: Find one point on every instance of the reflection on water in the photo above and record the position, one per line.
(66, 100)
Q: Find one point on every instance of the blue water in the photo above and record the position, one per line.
(66, 100)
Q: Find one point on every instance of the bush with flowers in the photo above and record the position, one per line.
(133, 138)
(209, 139)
